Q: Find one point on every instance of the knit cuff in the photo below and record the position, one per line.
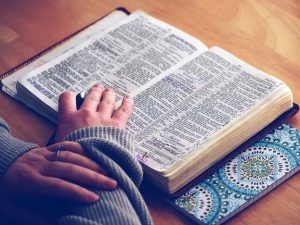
(118, 144)
(11, 148)
(121, 138)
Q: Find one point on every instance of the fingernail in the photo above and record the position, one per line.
(109, 89)
(99, 85)
(111, 183)
(128, 97)
(93, 197)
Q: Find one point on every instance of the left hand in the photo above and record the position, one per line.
(38, 172)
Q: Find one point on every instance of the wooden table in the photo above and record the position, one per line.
(265, 34)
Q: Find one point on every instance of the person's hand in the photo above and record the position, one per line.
(40, 172)
(98, 109)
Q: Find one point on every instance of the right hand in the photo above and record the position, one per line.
(37, 172)
(97, 109)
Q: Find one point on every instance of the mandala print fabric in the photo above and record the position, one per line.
(244, 177)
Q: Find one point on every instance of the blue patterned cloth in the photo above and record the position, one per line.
(244, 178)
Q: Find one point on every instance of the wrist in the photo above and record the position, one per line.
(116, 143)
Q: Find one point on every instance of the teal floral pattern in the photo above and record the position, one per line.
(243, 178)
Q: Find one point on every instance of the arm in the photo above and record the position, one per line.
(99, 128)
(113, 148)
(10, 147)
(29, 170)
(37, 172)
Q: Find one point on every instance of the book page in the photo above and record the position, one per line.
(175, 116)
(125, 57)
(9, 83)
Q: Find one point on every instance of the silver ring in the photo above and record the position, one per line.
(59, 149)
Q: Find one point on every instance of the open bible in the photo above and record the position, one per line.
(193, 105)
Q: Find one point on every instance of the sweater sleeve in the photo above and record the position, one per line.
(10, 148)
(112, 148)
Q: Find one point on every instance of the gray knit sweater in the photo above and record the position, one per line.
(113, 149)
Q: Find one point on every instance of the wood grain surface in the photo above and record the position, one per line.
(264, 33)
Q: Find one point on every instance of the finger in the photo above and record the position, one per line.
(66, 103)
(123, 113)
(67, 146)
(79, 160)
(74, 153)
(78, 174)
(107, 104)
(92, 99)
(60, 188)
